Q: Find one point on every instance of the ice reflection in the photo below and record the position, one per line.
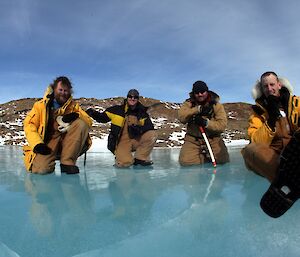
(165, 210)
(57, 202)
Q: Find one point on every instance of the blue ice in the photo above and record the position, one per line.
(166, 210)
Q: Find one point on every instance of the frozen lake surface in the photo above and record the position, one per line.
(164, 211)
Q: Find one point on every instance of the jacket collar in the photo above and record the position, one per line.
(49, 94)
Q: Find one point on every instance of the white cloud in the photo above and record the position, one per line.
(158, 46)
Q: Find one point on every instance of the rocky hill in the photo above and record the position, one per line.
(163, 114)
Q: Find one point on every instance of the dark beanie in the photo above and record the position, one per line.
(133, 92)
(199, 87)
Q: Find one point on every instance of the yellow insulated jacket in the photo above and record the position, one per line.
(259, 131)
(36, 121)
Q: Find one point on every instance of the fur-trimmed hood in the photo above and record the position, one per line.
(257, 90)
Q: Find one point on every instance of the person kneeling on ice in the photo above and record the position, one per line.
(203, 112)
(274, 147)
(56, 127)
(131, 131)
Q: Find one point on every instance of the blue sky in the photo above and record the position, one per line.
(159, 47)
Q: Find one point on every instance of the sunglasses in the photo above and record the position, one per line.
(199, 92)
(133, 97)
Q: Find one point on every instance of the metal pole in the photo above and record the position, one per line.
(208, 146)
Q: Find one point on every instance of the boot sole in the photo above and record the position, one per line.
(285, 191)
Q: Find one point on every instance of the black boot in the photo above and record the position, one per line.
(69, 169)
(285, 189)
(141, 162)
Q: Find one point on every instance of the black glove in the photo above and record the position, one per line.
(199, 120)
(134, 131)
(297, 135)
(70, 117)
(284, 96)
(91, 112)
(207, 110)
(272, 108)
(42, 149)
